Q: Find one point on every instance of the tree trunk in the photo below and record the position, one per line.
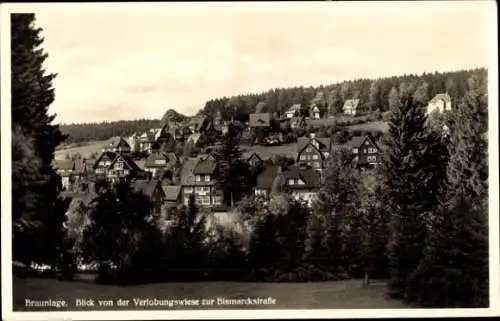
(366, 281)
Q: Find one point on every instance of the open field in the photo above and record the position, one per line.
(86, 149)
(265, 152)
(374, 125)
(339, 118)
(349, 294)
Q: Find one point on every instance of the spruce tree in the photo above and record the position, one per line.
(454, 272)
(413, 170)
(37, 212)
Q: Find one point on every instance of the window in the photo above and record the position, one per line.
(291, 181)
(198, 189)
(364, 150)
(302, 157)
(308, 149)
(372, 150)
(160, 162)
(315, 157)
(188, 190)
(198, 178)
(205, 200)
(119, 164)
(355, 150)
(207, 178)
(356, 158)
(366, 142)
(316, 164)
(300, 182)
(372, 158)
(326, 154)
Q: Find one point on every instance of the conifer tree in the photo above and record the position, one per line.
(454, 272)
(37, 212)
(413, 171)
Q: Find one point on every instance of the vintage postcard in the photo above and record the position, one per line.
(233, 160)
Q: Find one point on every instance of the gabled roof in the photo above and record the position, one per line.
(260, 120)
(266, 178)
(197, 122)
(438, 97)
(188, 166)
(128, 161)
(356, 142)
(119, 141)
(170, 160)
(294, 108)
(194, 138)
(64, 164)
(145, 186)
(324, 143)
(297, 119)
(351, 103)
(172, 192)
(261, 108)
(254, 155)
(309, 176)
(205, 166)
(107, 154)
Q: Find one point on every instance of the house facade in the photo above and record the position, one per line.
(366, 150)
(314, 112)
(303, 184)
(351, 107)
(113, 166)
(297, 122)
(159, 163)
(255, 161)
(154, 191)
(440, 103)
(313, 151)
(197, 179)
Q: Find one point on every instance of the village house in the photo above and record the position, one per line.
(159, 163)
(303, 184)
(312, 151)
(198, 124)
(314, 112)
(440, 103)
(293, 111)
(117, 145)
(351, 107)
(367, 152)
(153, 190)
(197, 178)
(172, 195)
(123, 166)
(65, 169)
(255, 161)
(145, 142)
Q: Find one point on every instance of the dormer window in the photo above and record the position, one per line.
(207, 178)
(355, 150)
(198, 178)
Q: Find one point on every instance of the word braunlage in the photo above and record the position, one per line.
(152, 302)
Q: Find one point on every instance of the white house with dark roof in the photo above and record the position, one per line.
(351, 107)
(365, 149)
(293, 111)
(197, 178)
(440, 103)
(313, 151)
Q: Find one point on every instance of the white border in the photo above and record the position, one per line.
(8, 314)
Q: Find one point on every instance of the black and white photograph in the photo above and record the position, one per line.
(234, 160)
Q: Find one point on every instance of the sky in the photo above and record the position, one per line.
(133, 61)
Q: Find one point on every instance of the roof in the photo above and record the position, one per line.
(197, 121)
(443, 96)
(297, 119)
(294, 108)
(254, 155)
(309, 176)
(356, 141)
(145, 186)
(260, 120)
(170, 160)
(64, 164)
(188, 166)
(194, 138)
(324, 143)
(107, 154)
(205, 166)
(172, 192)
(117, 141)
(266, 178)
(351, 103)
(129, 161)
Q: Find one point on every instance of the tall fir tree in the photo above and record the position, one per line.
(230, 171)
(454, 272)
(37, 211)
(414, 169)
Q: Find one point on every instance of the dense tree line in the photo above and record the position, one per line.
(104, 130)
(374, 94)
